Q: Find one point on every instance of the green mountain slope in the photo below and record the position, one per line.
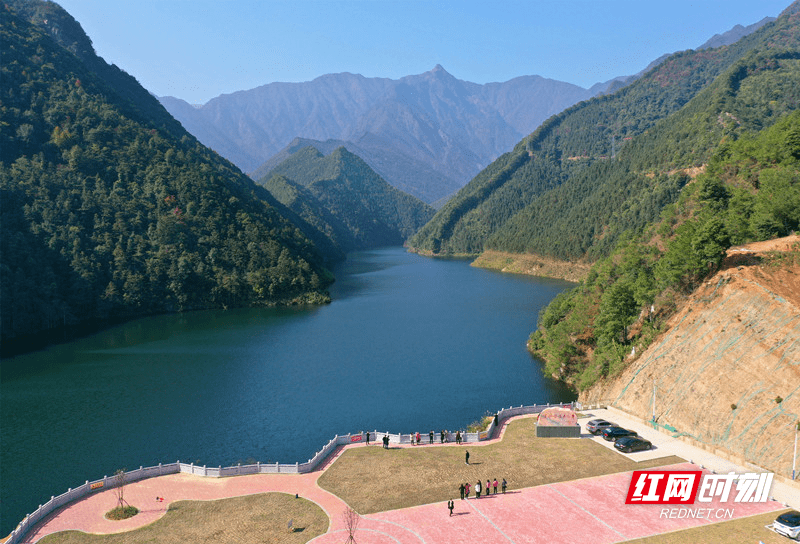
(107, 213)
(586, 215)
(588, 149)
(345, 199)
(749, 192)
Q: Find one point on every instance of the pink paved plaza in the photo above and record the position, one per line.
(588, 510)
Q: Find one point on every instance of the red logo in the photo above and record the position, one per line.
(663, 487)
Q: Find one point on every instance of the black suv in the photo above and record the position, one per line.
(630, 444)
(612, 433)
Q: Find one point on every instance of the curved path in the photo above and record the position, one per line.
(588, 510)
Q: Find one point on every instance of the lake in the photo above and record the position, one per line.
(408, 344)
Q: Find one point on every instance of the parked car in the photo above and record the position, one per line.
(788, 524)
(597, 425)
(630, 444)
(612, 433)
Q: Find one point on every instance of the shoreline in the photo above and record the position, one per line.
(531, 265)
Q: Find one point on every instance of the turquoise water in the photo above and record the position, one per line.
(409, 344)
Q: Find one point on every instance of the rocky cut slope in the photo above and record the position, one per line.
(727, 370)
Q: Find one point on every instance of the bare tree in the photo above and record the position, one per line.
(119, 489)
(351, 519)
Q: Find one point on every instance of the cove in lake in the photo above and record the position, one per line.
(408, 344)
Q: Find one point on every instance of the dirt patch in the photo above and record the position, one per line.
(532, 265)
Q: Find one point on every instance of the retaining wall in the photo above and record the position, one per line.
(259, 468)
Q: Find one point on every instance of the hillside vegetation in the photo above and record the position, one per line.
(110, 209)
(750, 191)
(345, 199)
(610, 164)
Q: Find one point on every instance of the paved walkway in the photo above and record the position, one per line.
(587, 510)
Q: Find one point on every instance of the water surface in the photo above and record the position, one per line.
(409, 344)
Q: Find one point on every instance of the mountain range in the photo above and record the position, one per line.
(405, 129)
(426, 134)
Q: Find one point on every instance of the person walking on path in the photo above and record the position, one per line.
(386, 441)
(466, 457)
(461, 489)
(478, 490)
(367, 438)
(488, 488)
(450, 506)
(458, 437)
(466, 490)
(430, 437)
(441, 437)
(504, 485)
(494, 484)
(418, 438)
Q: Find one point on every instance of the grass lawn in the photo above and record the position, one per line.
(241, 520)
(374, 479)
(738, 530)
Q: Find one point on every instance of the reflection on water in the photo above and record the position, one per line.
(409, 344)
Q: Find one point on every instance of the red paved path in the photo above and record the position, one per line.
(588, 510)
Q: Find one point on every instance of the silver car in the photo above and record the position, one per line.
(595, 426)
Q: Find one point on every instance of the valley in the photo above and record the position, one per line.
(291, 260)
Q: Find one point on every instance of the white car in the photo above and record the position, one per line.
(788, 524)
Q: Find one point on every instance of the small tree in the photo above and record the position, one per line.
(351, 519)
(119, 489)
(123, 510)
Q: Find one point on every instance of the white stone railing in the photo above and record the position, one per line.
(259, 468)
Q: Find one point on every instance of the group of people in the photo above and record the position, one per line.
(444, 436)
(416, 438)
(465, 489)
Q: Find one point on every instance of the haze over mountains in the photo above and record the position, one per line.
(426, 134)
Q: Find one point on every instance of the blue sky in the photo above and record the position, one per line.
(199, 49)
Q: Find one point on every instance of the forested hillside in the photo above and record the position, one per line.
(750, 191)
(110, 209)
(345, 199)
(611, 163)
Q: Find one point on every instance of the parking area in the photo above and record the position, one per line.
(665, 445)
